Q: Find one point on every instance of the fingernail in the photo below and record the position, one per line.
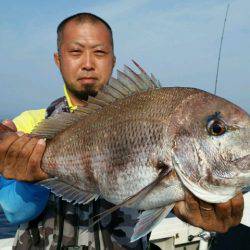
(20, 133)
(42, 142)
(5, 122)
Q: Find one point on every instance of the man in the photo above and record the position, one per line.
(85, 59)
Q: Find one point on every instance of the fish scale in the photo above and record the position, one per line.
(143, 147)
(127, 135)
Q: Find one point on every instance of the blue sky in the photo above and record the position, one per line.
(178, 41)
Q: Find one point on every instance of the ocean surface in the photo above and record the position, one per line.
(6, 230)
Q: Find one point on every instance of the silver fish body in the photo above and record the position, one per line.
(119, 150)
(140, 145)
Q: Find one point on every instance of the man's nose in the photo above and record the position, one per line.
(88, 62)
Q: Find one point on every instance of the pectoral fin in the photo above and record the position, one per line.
(139, 195)
(148, 220)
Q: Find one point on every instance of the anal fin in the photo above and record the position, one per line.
(68, 192)
(148, 220)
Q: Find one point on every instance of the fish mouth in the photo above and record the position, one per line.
(242, 163)
(242, 158)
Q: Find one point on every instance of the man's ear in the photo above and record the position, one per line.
(57, 59)
(114, 61)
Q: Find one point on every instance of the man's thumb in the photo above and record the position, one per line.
(10, 124)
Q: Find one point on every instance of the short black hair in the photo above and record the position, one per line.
(82, 18)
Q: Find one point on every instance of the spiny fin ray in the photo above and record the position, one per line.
(126, 84)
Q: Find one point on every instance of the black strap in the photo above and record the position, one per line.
(34, 231)
(76, 222)
(96, 227)
(60, 222)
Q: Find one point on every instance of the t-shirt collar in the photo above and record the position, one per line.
(71, 106)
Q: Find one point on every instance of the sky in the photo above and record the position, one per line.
(177, 41)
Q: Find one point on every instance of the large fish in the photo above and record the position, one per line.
(137, 144)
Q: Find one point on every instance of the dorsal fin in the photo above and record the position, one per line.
(127, 83)
(152, 82)
(48, 128)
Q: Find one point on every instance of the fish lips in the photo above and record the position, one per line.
(243, 163)
(243, 166)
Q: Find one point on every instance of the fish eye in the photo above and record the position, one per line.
(216, 127)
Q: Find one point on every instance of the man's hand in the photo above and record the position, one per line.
(21, 155)
(210, 217)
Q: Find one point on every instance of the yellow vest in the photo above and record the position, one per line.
(27, 120)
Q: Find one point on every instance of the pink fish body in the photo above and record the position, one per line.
(137, 144)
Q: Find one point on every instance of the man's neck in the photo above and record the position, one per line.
(75, 101)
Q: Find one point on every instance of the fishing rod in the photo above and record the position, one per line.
(219, 56)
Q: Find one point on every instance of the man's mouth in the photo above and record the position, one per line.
(87, 80)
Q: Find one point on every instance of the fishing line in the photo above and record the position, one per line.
(219, 56)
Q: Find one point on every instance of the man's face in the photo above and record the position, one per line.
(86, 58)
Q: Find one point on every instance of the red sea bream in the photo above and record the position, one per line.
(138, 144)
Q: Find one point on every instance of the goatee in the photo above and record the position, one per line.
(84, 94)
